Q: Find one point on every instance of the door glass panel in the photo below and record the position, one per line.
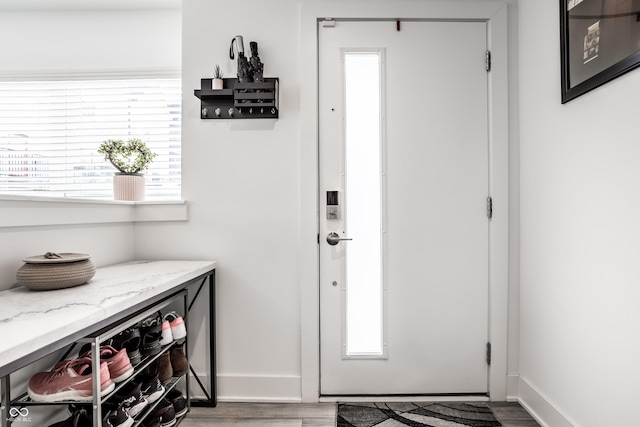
(363, 197)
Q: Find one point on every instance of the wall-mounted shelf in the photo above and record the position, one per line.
(239, 100)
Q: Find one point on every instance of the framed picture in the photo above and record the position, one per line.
(600, 40)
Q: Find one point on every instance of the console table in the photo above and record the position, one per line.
(34, 324)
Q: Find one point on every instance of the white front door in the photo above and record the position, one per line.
(404, 173)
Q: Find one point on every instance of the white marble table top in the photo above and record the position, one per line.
(32, 320)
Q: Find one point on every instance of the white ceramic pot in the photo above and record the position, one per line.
(217, 84)
(128, 187)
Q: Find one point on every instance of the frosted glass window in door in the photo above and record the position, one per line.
(363, 203)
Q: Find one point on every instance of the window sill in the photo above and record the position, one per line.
(25, 211)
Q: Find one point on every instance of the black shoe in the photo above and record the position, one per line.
(151, 334)
(130, 340)
(131, 399)
(78, 418)
(167, 414)
(115, 417)
(179, 402)
(151, 387)
(152, 421)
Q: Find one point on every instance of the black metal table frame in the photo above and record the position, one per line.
(212, 399)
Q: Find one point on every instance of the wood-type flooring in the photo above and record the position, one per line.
(510, 414)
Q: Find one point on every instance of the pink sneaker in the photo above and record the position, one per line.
(69, 380)
(167, 336)
(120, 367)
(178, 329)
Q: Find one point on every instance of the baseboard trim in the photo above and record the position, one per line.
(416, 398)
(239, 388)
(512, 387)
(541, 408)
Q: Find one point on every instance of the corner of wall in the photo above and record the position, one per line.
(540, 406)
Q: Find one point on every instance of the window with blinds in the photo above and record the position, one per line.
(50, 132)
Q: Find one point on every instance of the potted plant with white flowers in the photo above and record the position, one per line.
(130, 159)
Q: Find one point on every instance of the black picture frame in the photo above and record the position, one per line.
(599, 41)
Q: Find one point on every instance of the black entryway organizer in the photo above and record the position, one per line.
(236, 100)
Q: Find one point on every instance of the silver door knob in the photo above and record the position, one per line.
(334, 238)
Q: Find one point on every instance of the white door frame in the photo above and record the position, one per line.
(495, 14)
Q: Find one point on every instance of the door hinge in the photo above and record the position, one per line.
(489, 353)
(488, 60)
(489, 207)
(318, 238)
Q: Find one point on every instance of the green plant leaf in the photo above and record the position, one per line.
(129, 158)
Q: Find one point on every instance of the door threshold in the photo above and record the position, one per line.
(405, 398)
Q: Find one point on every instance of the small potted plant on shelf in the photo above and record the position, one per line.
(217, 83)
(130, 158)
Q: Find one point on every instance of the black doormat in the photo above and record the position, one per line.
(433, 414)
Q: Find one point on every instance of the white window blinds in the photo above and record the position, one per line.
(50, 132)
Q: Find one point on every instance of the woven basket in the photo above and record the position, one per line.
(64, 271)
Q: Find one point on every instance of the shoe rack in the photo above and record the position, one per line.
(101, 337)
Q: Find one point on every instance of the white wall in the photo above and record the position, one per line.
(241, 181)
(39, 42)
(580, 238)
(104, 40)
